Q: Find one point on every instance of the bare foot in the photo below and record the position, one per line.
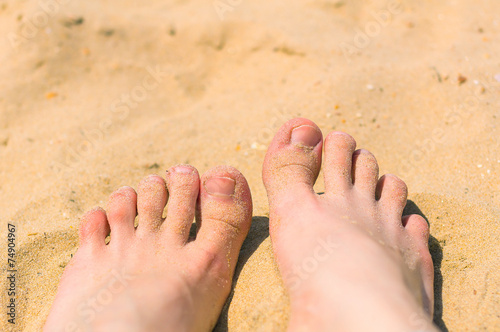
(348, 258)
(154, 277)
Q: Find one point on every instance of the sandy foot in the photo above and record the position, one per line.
(349, 259)
(155, 277)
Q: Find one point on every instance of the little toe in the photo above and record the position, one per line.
(94, 228)
(121, 212)
(183, 183)
(293, 159)
(365, 172)
(151, 201)
(339, 149)
(392, 193)
(225, 216)
(418, 229)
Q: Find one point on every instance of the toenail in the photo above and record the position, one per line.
(220, 186)
(152, 180)
(183, 169)
(360, 151)
(122, 191)
(306, 136)
(124, 188)
(93, 210)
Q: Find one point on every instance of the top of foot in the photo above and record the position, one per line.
(349, 258)
(155, 277)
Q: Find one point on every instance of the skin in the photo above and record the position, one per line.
(154, 277)
(349, 259)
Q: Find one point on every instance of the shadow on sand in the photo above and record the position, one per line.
(260, 231)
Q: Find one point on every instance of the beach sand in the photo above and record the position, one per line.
(96, 95)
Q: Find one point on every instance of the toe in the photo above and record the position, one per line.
(365, 172)
(339, 149)
(392, 193)
(121, 212)
(94, 228)
(224, 217)
(427, 273)
(293, 159)
(183, 183)
(418, 229)
(151, 201)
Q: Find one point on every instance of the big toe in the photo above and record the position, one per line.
(224, 217)
(293, 160)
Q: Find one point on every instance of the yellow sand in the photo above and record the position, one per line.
(418, 91)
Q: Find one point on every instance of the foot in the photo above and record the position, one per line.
(156, 277)
(349, 259)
